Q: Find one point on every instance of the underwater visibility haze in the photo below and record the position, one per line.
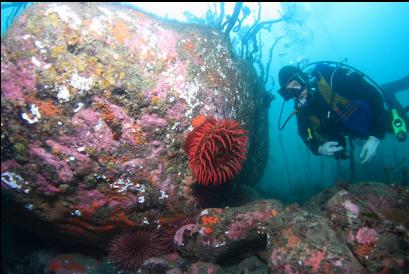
(227, 137)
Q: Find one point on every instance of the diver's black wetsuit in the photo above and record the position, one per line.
(349, 85)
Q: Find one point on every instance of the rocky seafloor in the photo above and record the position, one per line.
(361, 228)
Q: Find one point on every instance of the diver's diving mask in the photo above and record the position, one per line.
(290, 93)
(293, 93)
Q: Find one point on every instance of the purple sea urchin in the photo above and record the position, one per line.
(129, 250)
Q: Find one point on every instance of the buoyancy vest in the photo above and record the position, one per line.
(354, 114)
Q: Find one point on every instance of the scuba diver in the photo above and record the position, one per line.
(333, 101)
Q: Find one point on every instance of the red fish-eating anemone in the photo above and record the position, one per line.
(216, 150)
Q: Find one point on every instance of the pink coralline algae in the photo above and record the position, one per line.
(261, 214)
(152, 120)
(91, 131)
(288, 270)
(176, 111)
(87, 197)
(315, 260)
(168, 42)
(61, 167)
(366, 235)
(77, 161)
(277, 256)
(188, 229)
(162, 87)
(237, 231)
(353, 208)
(45, 186)
(17, 79)
(12, 90)
(9, 165)
(350, 237)
(243, 223)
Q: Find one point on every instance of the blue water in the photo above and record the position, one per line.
(10, 11)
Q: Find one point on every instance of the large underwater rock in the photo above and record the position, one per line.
(96, 103)
(373, 220)
(229, 232)
(360, 228)
(303, 242)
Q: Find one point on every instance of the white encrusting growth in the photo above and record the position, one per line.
(63, 94)
(34, 116)
(81, 83)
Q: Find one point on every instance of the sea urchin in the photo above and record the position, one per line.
(129, 250)
(216, 149)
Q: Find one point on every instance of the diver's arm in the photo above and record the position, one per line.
(332, 145)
